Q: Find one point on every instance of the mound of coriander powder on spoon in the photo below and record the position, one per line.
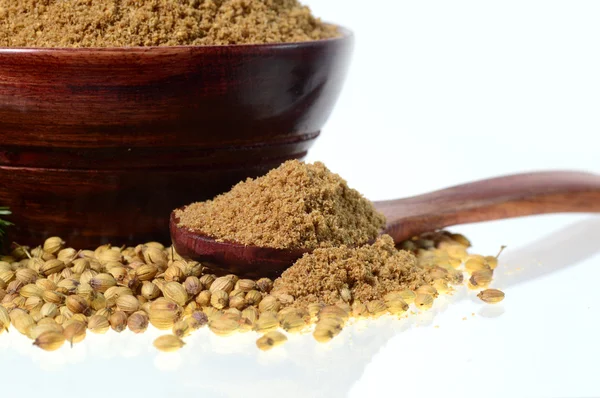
(296, 206)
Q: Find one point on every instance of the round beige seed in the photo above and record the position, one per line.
(219, 299)
(50, 341)
(269, 303)
(424, 301)
(176, 292)
(74, 332)
(118, 321)
(98, 324)
(491, 296)
(223, 283)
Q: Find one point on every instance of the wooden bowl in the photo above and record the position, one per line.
(99, 145)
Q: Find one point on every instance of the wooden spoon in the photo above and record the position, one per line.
(492, 199)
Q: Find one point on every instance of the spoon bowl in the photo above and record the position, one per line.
(225, 257)
(486, 200)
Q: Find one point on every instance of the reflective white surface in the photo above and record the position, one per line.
(440, 93)
(541, 341)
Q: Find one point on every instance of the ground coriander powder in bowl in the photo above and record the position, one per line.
(296, 206)
(134, 23)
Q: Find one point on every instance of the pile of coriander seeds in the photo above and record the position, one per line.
(55, 295)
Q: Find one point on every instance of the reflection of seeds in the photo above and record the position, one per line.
(168, 343)
(266, 322)
(270, 340)
(293, 323)
(197, 320)
(223, 326)
(327, 329)
(249, 317)
(182, 329)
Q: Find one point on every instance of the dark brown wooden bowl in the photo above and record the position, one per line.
(99, 145)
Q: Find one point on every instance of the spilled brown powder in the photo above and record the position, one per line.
(129, 23)
(297, 205)
(369, 272)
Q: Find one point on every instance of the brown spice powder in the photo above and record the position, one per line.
(129, 23)
(297, 205)
(370, 272)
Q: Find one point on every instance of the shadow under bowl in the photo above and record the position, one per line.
(100, 145)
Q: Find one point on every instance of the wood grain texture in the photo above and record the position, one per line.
(493, 199)
(229, 257)
(100, 145)
(91, 207)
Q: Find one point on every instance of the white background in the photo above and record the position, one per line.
(440, 93)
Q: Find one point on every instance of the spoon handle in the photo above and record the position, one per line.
(492, 199)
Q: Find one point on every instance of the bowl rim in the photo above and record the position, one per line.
(346, 35)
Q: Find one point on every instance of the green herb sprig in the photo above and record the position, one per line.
(4, 211)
